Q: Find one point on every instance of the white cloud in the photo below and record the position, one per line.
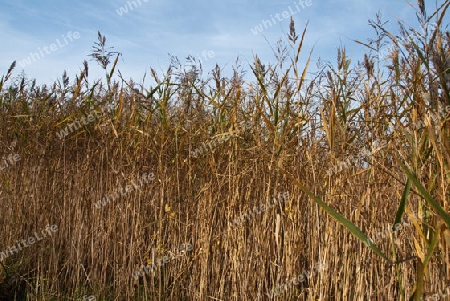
(149, 32)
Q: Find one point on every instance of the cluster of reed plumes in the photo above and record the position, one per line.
(332, 238)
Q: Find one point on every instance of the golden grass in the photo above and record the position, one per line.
(300, 130)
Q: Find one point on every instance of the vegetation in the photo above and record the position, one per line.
(334, 188)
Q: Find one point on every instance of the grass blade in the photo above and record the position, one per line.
(401, 207)
(426, 195)
(341, 219)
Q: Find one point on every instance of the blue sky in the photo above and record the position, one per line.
(60, 34)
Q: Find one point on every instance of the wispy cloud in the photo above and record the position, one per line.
(146, 34)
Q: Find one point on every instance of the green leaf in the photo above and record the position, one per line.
(426, 195)
(401, 208)
(276, 114)
(342, 220)
(432, 245)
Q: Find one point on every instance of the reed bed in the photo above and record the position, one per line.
(296, 171)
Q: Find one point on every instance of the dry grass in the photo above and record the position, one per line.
(300, 130)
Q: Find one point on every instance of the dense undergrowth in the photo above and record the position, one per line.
(247, 178)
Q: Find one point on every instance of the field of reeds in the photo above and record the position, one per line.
(331, 185)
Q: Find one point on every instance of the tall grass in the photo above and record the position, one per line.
(296, 130)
